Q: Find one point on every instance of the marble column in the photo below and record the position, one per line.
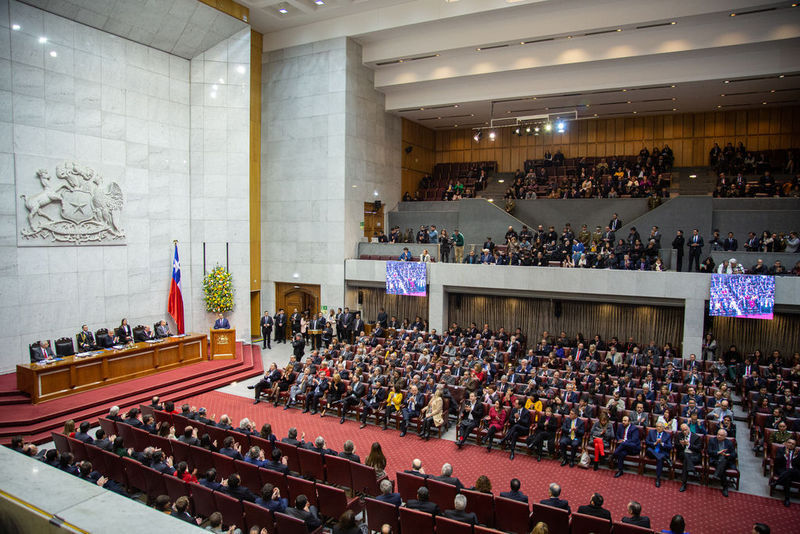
(693, 320)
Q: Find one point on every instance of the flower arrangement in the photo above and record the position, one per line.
(218, 290)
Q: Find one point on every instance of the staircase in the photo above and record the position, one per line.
(35, 421)
(497, 185)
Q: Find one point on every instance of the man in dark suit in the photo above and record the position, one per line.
(595, 508)
(460, 513)
(677, 244)
(86, 339)
(448, 478)
(221, 323)
(280, 326)
(695, 248)
(786, 468)
(132, 418)
(304, 511)
(346, 320)
(615, 223)
(348, 452)
(519, 425)
(43, 352)
(161, 464)
(721, 455)
(636, 518)
(515, 492)
(659, 445)
(317, 388)
(413, 404)
(143, 334)
(209, 480)
(416, 469)
(271, 376)
(373, 402)
(572, 430)
(358, 325)
(189, 436)
(124, 332)
(294, 320)
(231, 447)
(101, 440)
(628, 442)
(383, 318)
(162, 330)
(731, 243)
(83, 433)
(291, 438)
(471, 416)
(422, 503)
(554, 500)
(357, 390)
(321, 447)
(235, 489)
(387, 495)
(266, 330)
(688, 450)
(276, 463)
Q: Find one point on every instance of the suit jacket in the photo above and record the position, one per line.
(350, 456)
(715, 445)
(221, 324)
(211, 484)
(419, 401)
(666, 439)
(524, 417)
(41, 353)
(580, 429)
(781, 461)
(423, 506)
(162, 331)
(141, 335)
(731, 245)
(267, 322)
(84, 437)
(311, 521)
(241, 493)
(453, 481)
(596, 511)
(233, 453)
(85, 340)
(280, 320)
(477, 411)
(124, 333)
(633, 436)
(555, 502)
(276, 466)
(641, 521)
(391, 498)
(514, 495)
(460, 515)
(695, 442)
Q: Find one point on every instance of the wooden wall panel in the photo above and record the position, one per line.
(690, 135)
(419, 161)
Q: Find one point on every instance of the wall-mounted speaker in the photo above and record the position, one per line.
(377, 205)
(409, 149)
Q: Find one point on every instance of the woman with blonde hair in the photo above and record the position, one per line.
(541, 528)
(69, 428)
(433, 415)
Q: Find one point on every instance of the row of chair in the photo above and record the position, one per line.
(65, 347)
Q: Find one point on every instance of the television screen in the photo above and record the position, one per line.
(737, 295)
(406, 278)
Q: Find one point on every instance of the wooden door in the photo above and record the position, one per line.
(373, 220)
(300, 296)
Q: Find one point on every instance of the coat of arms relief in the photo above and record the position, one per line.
(74, 208)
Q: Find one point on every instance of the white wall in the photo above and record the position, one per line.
(127, 111)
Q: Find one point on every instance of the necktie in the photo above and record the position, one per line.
(658, 447)
(572, 430)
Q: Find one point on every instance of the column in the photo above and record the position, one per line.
(437, 314)
(693, 320)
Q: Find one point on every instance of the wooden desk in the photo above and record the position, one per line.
(73, 375)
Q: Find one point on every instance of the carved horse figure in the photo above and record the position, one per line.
(35, 203)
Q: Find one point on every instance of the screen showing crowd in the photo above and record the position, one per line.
(750, 297)
(406, 278)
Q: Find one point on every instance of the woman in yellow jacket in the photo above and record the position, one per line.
(433, 414)
(394, 402)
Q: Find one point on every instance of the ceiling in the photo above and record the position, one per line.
(185, 28)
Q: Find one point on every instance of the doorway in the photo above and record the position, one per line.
(300, 296)
(373, 218)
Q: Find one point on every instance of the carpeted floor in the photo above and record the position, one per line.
(704, 508)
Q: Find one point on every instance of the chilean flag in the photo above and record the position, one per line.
(175, 304)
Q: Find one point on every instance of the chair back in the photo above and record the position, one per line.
(311, 465)
(154, 482)
(78, 449)
(230, 508)
(627, 528)
(165, 444)
(108, 426)
(264, 444)
(268, 476)
(116, 468)
(338, 472)
(135, 473)
(290, 451)
(415, 521)
(202, 499)
(408, 484)
(332, 501)
(202, 459)
(289, 525)
(450, 526)
(301, 486)
(64, 347)
(511, 515)
(223, 464)
(380, 513)
(477, 529)
(250, 475)
(586, 524)
(162, 416)
(364, 481)
(442, 494)
(482, 504)
(32, 348)
(181, 452)
(97, 459)
(256, 515)
(556, 518)
(175, 487)
(61, 442)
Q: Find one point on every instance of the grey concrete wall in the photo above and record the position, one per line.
(413, 219)
(748, 259)
(428, 206)
(392, 249)
(741, 222)
(578, 211)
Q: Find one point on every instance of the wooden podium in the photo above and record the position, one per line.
(223, 344)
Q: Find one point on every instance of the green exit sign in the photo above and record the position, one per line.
(324, 308)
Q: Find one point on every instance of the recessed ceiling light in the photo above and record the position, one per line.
(673, 23)
(569, 37)
(478, 49)
(674, 99)
(319, 2)
(595, 114)
(772, 91)
(635, 112)
(240, 69)
(672, 86)
(781, 76)
(283, 11)
(733, 14)
(455, 105)
(53, 53)
(727, 81)
(42, 40)
(719, 107)
(619, 29)
(723, 94)
(624, 90)
(674, 109)
(763, 103)
(455, 126)
(16, 27)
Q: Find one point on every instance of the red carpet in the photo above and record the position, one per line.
(35, 422)
(704, 508)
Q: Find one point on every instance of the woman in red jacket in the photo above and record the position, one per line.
(495, 422)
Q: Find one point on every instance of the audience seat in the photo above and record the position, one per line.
(256, 515)
(116, 468)
(61, 441)
(202, 458)
(477, 529)
(135, 474)
(175, 487)
(301, 486)
(230, 508)
(380, 513)
(415, 521)
(441, 493)
(589, 524)
(364, 481)
(482, 504)
(450, 526)
(333, 501)
(249, 474)
(338, 471)
(287, 524)
(64, 347)
(154, 483)
(512, 516)
(292, 458)
(181, 452)
(556, 518)
(78, 449)
(108, 426)
(626, 528)
(263, 444)
(311, 464)
(268, 476)
(408, 484)
(223, 464)
(202, 499)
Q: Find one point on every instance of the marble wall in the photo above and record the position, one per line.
(220, 179)
(69, 92)
(327, 146)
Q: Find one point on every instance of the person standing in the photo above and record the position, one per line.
(677, 244)
(280, 326)
(695, 248)
(458, 243)
(266, 329)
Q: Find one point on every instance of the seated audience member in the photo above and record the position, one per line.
(554, 500)
(143, 334)
(786, 468)
(83, 433)
(515, 493)
(448, 478)
(347, 524)
(422, 503)
(348, 452)
(235, 489)
(387, 495)
(303, 510)
(42, 352)
(677, 525)
(124, 332)
(278, 462)
(209, 480)
(271, 499)
(85, 339)
(636, 518)
(459, 512)
(595, 508)
(180, 510)
(162, 330)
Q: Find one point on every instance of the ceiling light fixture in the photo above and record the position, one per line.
(673, 23)
(283, 11)
(780, 76)
(493, 135)
(560, 126)
(727, 81)
(53, 53)
(548, 127)
(16, 27)
(319, 2)
(477, 136)
(42, 40)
